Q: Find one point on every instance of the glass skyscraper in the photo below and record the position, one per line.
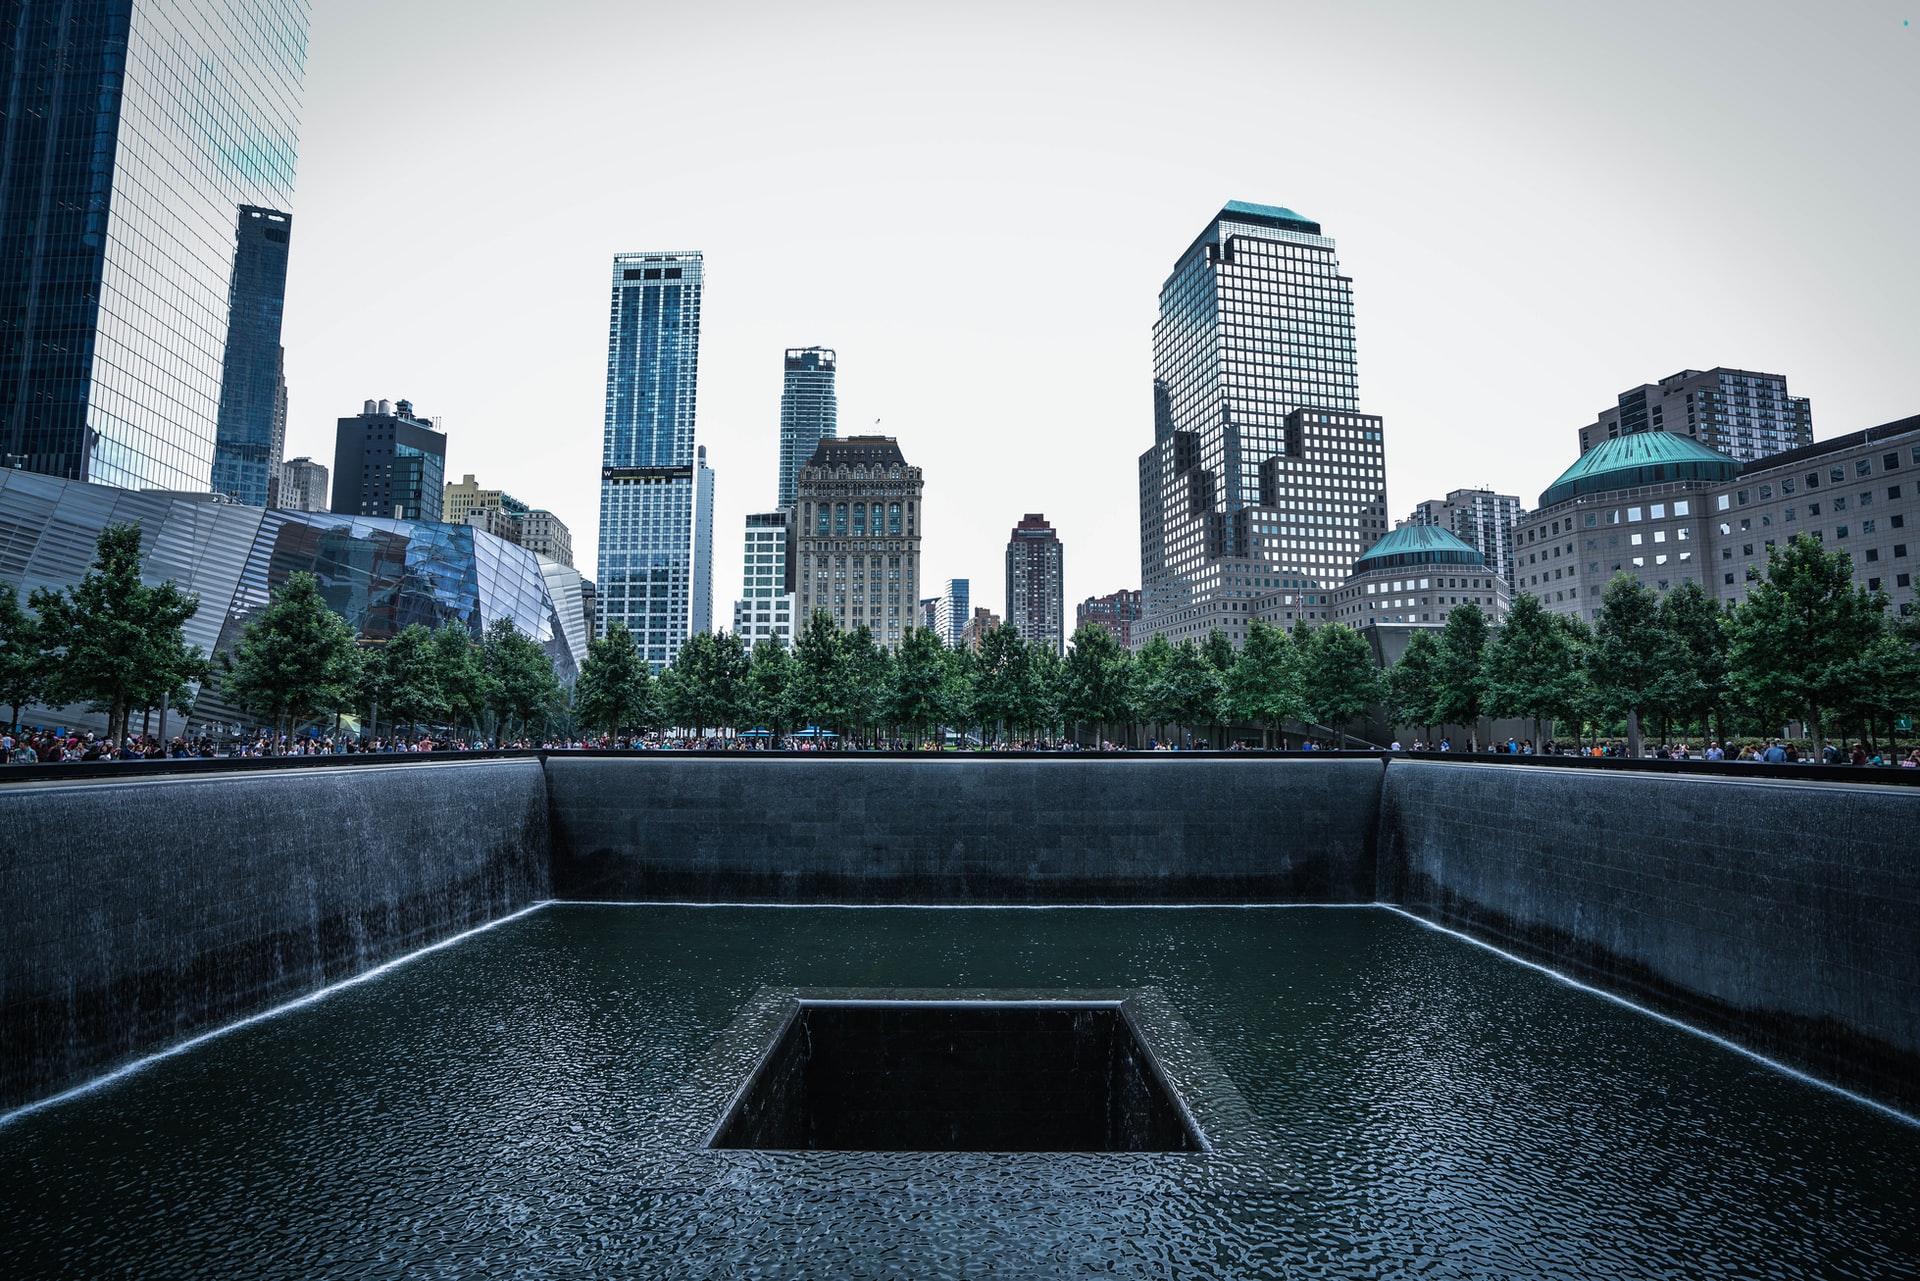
(647, 481)
(136, 130)
(251, 438)
(809, 412)
(1264, 482)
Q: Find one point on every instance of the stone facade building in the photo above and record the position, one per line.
(858, 526)
(1116, 611)
(1413, 579)
(764, 610)
(1667, 510)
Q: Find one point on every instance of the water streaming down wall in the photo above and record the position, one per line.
(138, 912)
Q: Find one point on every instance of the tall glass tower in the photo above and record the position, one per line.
(135, 131)
(250, 439)
(647, 481)
(1264, 481)
(809, 412)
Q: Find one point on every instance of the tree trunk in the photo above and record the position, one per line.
(1633, 732)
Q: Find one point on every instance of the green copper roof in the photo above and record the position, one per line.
(1269, 216)
(1418, 545)
(1264, 211)
(1643, 458)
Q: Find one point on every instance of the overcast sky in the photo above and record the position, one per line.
(1539, 205)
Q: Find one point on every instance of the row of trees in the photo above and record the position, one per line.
(1807, 644)
(117, 645)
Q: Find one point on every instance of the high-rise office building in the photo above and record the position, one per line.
(250, 437)
(136, 132)
(953, 607)
(700, 592)
(765, 608)
(809, 412)
(929, 612)
(857, 520)
(1479, 517)
(975, 629)
(1264, 479)
(1116, 611)
(1034, 577)
(388, 461)
(303, 486)
(1743, 414)
(648, 500)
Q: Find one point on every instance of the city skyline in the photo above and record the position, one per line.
(1462, 161)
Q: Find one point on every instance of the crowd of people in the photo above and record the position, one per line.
(28, 746)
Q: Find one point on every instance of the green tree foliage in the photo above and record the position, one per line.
(1805, 640)
(1338, 678)
(1461, 685)
(118, 644)
(706, 686)
(1043, 691)
(1000, 679)
(1192, 686)
(1097, 683)
(1532, 666)
(1629, 653)
(615, 691)
(466, 688)
(411, 662)
(869, 671)
(918, 699)
(1263, 686)
(23, 668)
(822, 687)
(1698, 677)
(1153, 676)
(1413, 683)
(520, 678)
(295, 659)
(769, 691)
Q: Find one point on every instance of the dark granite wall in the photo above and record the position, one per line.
(1154, 829)
(138, 913)
(1783, 915)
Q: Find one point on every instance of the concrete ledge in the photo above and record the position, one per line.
(1061, 830)
(1785, 916)
(139, 913)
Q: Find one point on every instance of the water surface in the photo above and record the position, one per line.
(530, 1102)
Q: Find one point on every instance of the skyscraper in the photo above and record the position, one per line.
(390, 462)
(1034, 575)
(136, 132)
(700, 611)
(1741, 413)
(1482, 518)
(809, 412)
(647, 482)
(1263, 478)
(250, 436)
(952, 609)
(765, 608)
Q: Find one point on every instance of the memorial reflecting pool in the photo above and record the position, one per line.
(1381, 1100)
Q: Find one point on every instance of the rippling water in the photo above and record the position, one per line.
(529, 1103)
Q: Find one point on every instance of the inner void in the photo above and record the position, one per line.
(958, 1076)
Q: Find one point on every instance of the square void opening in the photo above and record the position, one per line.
(958, 1076)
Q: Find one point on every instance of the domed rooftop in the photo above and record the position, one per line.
(1418, 545)
(1643, 458)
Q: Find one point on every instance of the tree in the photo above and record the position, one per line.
(295, 659)
(703, 689)
(1221, 656)
(1698, 678)
(466, 688)
(1097, 683)
(869, 673)
(1263, 686)
(1799, 639)
(117, 643)
(769, 686)
(23, 669)
(1532, 667)
(520, 677)
(822, 692)
(1461, 685)
(411, 662)
(917, 699)
(1000, 677)
(1153, 668)
(615, 689)
(1413, 683)
(1192, 686)
(1338, 678)
(1629, 646)
(1043, 690)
